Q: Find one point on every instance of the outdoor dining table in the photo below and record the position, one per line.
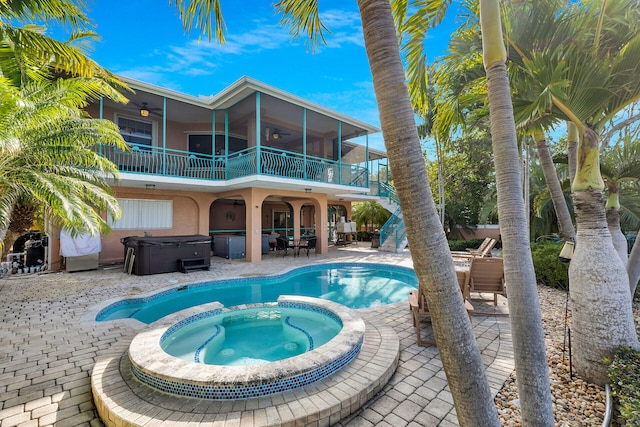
(297, 244)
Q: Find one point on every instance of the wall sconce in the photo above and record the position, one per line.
(567, 252)
(307, 190)
(150, 186)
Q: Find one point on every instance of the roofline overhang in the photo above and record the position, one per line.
(240, 89)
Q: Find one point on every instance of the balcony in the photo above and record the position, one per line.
(266, 161)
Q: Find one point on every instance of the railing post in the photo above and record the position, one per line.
(213, 144)
(258, 155)
(226, 144)
(304, 143)
(164, 135)
(339, 152)
(366, 157)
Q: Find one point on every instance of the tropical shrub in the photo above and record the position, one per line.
(363, 236)
(624, 377)
(549, 270)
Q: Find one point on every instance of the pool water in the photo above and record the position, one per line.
(251, 336)
(355, 285)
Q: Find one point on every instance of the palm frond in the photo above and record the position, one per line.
(303, 17)
(198, 14)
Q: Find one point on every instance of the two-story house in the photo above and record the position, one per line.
(251, 160)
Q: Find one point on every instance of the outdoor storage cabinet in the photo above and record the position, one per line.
(161, 254)
(230, 247)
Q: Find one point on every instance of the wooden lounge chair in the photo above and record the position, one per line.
(420, 313)
(420, 309)
(486, 275)
(483, 251)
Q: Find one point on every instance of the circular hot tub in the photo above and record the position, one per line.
(246, 351)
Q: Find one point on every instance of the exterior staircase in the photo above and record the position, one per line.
(393, 235)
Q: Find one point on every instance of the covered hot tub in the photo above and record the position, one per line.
(163, 254)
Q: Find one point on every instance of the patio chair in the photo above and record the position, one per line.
(282, 244)
(420, 309)
(311, 244)
(486, 275)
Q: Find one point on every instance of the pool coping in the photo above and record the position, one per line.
(122, 400)
(174, 375)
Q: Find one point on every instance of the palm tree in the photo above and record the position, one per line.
(529, 347)
(46, 154)
(27, 54)
(605, 35)
(370, 214)
(430, 252)
(29, 59)
(567, 232)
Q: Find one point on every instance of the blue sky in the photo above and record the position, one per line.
(144, 40)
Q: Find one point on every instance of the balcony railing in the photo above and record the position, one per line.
(272, 162)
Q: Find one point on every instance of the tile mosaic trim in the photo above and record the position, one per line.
(218, 331)
(245, 391)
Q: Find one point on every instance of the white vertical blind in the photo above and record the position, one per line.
(144, 214)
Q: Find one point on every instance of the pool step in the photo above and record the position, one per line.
(186, 264)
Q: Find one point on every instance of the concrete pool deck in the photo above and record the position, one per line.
(48, 348)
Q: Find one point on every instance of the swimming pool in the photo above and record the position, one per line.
(355, 285)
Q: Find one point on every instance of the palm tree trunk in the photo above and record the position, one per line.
(567, 231)
(431, 257)
(441, 201)
(572, 147)
(602, 319)
(633, 266)
(528, 337)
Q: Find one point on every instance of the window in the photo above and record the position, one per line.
(143, 214)
(139, 132)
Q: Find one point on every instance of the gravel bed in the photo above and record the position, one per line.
(575, 402)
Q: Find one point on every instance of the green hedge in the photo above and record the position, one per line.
(462, 245)
(624, 377)
(363, 236)
(549, 270)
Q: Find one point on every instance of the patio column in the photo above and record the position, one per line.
(321, 222)
(253, 201)
(297, 207)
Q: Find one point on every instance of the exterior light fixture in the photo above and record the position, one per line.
(144, 110)
(567, 251)
(307, 190)
(150, 186)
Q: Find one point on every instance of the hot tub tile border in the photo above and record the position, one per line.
(288, 375)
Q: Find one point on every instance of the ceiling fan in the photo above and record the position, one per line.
(275, 134)
(144, 109)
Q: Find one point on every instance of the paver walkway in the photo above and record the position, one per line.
(48, 347)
